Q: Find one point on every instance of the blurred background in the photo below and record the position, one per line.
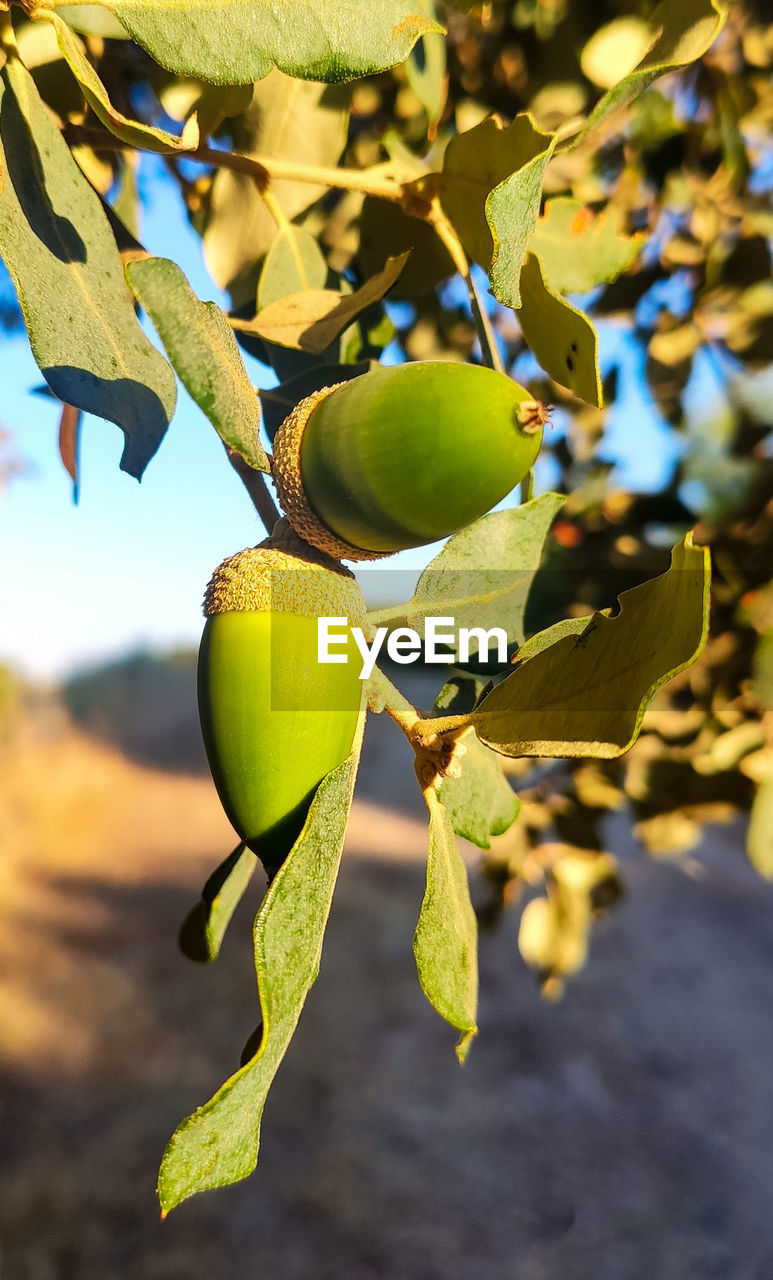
(622, 1131)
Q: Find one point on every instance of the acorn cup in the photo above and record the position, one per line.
(274, 720)
(403, 456)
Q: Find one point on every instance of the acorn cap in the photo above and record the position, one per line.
(286, 471)
(283, 574)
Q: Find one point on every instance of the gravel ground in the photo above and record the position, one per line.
(625, 1133)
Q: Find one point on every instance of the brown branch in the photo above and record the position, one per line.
(255, 484)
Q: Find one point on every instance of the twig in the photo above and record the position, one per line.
(451, 241)
(435, 740)
(255, 484)
(262, 169)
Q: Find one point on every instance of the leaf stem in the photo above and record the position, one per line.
(527, 486)
(255, 484)
(434, 739)
(447, 235)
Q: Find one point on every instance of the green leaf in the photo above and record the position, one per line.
(426, 73)
(445, 944)
(218, 1144)
(134, 133)
(312, 319)
(234, 41)
(561, 338)
(480, 802)
(58, 247)
(685, 30)
(586, 695)
(386, 231)
(578, 249)
(93, 20)
(759, 838)
(483, 574)
(203, 350)
(490, 189)
(460, 694)
(204, 928)
(279, 401)
(294, 262)
(288, 119)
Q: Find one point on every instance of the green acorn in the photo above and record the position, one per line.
(274, 720)
(403, 456)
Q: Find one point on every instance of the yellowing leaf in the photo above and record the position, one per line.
(490, 189)
(578, 249)
(60, 252)
(312, 319)
(615, 49)
(561, 338)
(586, 694)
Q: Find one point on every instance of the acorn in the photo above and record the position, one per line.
(274, 720)
(403, 456)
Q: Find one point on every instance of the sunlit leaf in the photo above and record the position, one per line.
(490, 189)
(218, 1144)
(759, 838)
(586, 694)
(234, 41)
(683, 31)
(60, 252)
(445, 944)
(554, 930)
(132, 132)
(560, 337)
(615, 49)
(203, 350)
(312, 319)
(203, 930)
(578, 249)
(93, 20)
(480, 801)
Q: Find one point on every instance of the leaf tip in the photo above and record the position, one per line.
(464, 1044)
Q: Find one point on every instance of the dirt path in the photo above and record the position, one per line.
(625, 1134)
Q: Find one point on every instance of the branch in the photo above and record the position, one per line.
(435, 741)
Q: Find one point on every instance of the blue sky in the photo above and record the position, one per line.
(127, 567)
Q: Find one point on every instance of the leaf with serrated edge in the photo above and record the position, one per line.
(685, 30)
(133, 132)
(561, 338)
(202, 933)
(58, 247)
(490, 189)
(234, 41)
(289, 119)
(578, 249)
(203, 350)
(480, 801)
(313, 318)
(294, 262)
(218, 1144)
(445, 944)
(586, 694)
(483, 574)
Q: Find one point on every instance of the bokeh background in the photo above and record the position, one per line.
(623, 1131)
